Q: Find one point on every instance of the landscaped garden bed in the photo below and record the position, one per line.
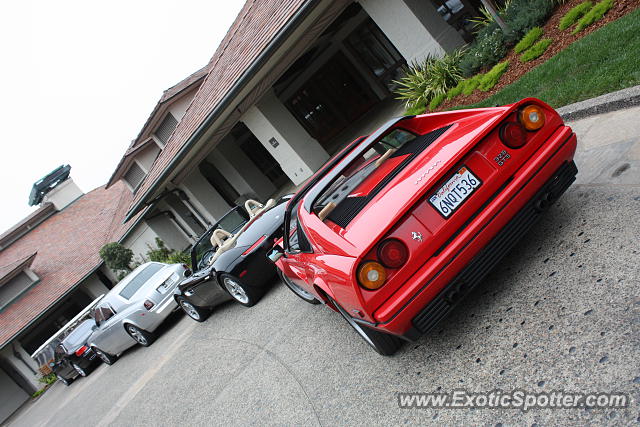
(538, 38)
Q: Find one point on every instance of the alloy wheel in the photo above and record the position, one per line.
(236, 290)
(137, 335)
(79, 370)
(190, 309)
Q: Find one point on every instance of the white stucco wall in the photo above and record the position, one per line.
(63, 194)
(93, 287)
(414, 27)
(7, 355)
(138, 239)
(179, 106)
(146, 157)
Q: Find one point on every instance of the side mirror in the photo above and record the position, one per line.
(276, 253)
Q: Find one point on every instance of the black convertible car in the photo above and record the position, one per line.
(230, 259)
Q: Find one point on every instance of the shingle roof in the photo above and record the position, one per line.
(256, 25)
(8, 269)
(67, 245)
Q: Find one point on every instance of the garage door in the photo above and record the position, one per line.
(11, 396)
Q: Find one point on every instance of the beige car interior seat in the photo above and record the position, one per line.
(223, 240)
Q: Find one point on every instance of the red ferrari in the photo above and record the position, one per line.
(395, 229)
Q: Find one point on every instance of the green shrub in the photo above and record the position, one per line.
(169, 256)
(427, 79)
(523, 15)
(48, 379)
(487, 50)
(415, 110)
(595, 14)
(471, 84)
(574, 14)
(117, 257)
(536, 50)
(528, 40)
(490, 79)
(436, 101)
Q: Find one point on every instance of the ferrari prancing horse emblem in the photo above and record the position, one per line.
(416, 235)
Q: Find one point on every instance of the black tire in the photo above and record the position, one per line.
(106, 358)
(198, 314)
(299, 292)
(66, 381)
(82, 372)
(240, 291)
(383, 344)
(142, 337)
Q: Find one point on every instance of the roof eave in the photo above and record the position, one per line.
(297, 19)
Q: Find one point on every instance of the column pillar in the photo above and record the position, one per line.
(283, 136)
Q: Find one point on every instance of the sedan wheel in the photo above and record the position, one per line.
(241, 292)
(299, 291)
(105, 357)
(196, 313)
(79, 370)
(64, 381)
(384, 344)
(141, 336)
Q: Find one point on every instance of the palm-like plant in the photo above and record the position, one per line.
(429, 78)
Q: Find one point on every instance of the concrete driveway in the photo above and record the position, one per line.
(561, 313)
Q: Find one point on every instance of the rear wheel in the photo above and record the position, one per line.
(105, 357)
(79, 369)
(64, 380)
(384, 344)
(141, 336)
(241, 292)
(299, 291)
(196, 313)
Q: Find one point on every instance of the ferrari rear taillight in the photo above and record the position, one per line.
(371, 275)
(148, 304)
(82, 350)
(255, 245)
(392, 253)
(531, 117)
(513, 135)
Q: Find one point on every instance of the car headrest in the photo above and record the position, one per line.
(219, 236)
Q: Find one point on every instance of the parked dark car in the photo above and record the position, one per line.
(236, 266)
(73, 357)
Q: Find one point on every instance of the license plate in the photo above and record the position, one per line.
(454, 192)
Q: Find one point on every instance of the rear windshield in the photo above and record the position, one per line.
(79, 335)
(139, 279)
(353, 175)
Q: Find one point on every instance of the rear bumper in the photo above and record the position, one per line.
(491, 254)
(479, 247)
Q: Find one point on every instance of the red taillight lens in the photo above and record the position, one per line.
(392, 253)
(82, 350)
(148, 304)
(255, 245)
(513, 135)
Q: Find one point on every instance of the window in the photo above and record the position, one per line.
(297, 241)
(14, 287)
(102, 314)
(166, 128)
(139, 279)
(134, 176)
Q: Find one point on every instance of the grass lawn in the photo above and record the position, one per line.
(604, 61)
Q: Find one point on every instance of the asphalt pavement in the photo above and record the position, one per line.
(560, 313)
